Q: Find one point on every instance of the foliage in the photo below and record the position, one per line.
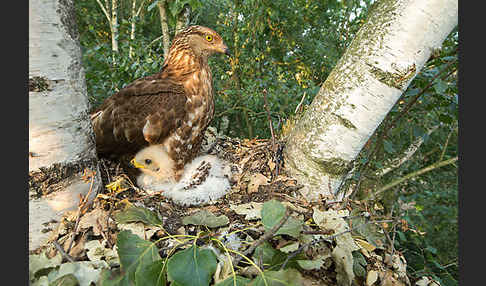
(288, 48)
(141, 263)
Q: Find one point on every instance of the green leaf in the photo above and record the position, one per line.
(152, 5)
(291, 227)
(113, 278)
(192, 266)
(402, 236)
(153, 274)
(265, 253)
(175, 7)
(231, 281)
(431, 249)
(66, 280)
(367, 230)
(86, 272)
(440, 87)
(311, 264)
(272, 212)
(359, 258)
(41, 261)
(136, 214)
(206, 218)
(446, 118)
(285, 277)
(359, 270)
(135, 252)
(388, 146)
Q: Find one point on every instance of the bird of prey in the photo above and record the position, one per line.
(204, 180)
(171, 108)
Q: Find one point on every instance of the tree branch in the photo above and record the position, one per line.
(397, 162)
(446, 143)
(416, 173)
(164, 26)
(266, 236)
(105, 12)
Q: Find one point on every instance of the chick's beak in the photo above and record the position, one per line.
(136, 164)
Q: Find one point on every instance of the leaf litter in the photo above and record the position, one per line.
(263, 232)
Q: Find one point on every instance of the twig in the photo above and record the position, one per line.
(103, 232)
(81, 208)
(416, 173)
(393, 164)
(300, 103)
(266, 236)
(269, 118)
(446, 143)
(63, 253)
(417, 96)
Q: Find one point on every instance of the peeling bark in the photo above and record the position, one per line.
(61, 142)
(381, 61)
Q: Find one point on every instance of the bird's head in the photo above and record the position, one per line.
(202, 40)
(154, 160)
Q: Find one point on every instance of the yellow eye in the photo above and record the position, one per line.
(209, 38)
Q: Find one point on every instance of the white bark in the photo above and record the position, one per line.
(60, 131)
(112, 22)
(164, 26)
(114, 25)
(386, 54)
(135, 13)
(132, 30)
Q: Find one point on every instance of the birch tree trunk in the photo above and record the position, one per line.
(114, 26)
(135, 14)
(61, 140)
(164, 26)
(183, 18)
(381, 61)
(112, 22)
(132, 30)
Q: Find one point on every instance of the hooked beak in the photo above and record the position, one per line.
(227, 51)
(136, 164)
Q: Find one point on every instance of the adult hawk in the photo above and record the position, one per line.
(171, 108)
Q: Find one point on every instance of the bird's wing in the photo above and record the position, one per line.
(146, 111)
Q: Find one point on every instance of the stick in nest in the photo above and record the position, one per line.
(266, 236)
(82, 207)
(269, 118)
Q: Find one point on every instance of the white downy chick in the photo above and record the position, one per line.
(204, 180)
(155, 164)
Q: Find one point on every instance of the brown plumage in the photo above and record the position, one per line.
(171, 108)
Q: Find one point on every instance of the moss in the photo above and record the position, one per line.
(335, 167)
(67, 14)
(346, 122)
(53, 178)
(397, 79)
(38, 83)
